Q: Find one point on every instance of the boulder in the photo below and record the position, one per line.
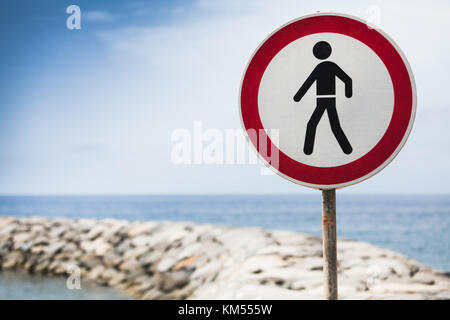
(150, 258)
(94, 233)
(424, 278)
(130, 265)
(8, 229)
(57, 232)
(111, 259)
(12, 260)
(55, 247)
(124, 246)
(174, 280)
(142, 241)
(165, 264)
(142, 228)
(96, 272)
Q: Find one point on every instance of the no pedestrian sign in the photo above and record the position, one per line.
(339, 95)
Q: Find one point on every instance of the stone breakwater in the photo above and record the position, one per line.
(167, 260)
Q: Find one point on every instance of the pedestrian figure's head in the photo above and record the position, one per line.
(322, 50)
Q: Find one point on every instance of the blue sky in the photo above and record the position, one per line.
(92, 111)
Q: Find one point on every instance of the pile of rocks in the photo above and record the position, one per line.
(166, 260)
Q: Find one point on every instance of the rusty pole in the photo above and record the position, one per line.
(329, 243)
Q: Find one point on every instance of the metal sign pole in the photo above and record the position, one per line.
(329, 243)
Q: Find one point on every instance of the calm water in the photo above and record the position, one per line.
(417, 226)
(24, 286)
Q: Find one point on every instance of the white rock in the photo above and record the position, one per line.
(165, 264)
(142, 227)
(142, 241)
(95, 232)
(96, 272)
(130, 265)
(55, 247)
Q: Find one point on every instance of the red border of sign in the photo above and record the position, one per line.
(404, 100)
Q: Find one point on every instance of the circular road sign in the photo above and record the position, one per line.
(332, 99)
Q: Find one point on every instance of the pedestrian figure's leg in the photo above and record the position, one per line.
(311, 127)
(336, 127)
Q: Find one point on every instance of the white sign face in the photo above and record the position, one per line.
(339, 96)
(371, 103)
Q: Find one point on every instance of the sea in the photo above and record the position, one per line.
(417, 226)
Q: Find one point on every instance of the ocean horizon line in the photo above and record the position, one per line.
(209, 194)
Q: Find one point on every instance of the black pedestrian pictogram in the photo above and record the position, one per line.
(324, 74)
